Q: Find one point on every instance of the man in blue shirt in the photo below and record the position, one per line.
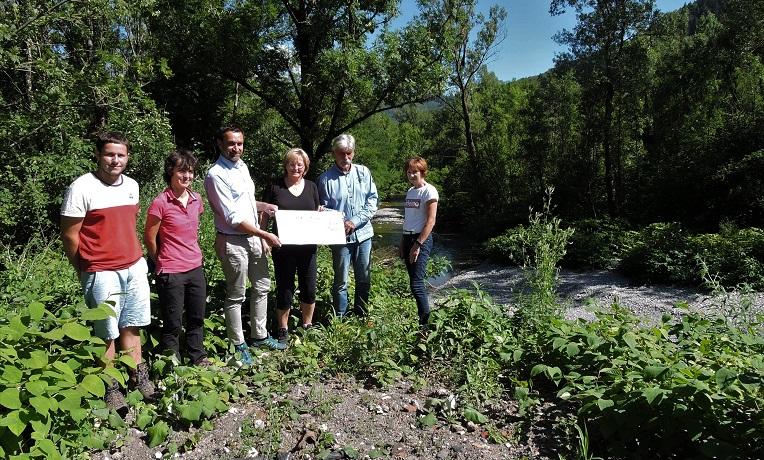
(240, 244)
(349, 189)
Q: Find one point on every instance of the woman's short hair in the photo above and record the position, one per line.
(184, 160)
(294, 154)
(417, 163)
(343, 142)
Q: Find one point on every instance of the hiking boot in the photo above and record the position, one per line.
(268, 342)
(203, 362)
(139, 380)
(283, 336)
(244, 355)
(115, 399)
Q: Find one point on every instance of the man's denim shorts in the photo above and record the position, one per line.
(126, 291)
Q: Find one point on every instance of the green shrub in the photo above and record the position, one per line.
(689, 387)
(666, 253)
(471, 338)
(507, 247)
(661, 253)
(735, 256)
(597, 243)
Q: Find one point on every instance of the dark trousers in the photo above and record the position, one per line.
(418, 273)
(176, 291)
(290, 260)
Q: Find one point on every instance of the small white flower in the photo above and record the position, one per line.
(158, 454)
(259, 424)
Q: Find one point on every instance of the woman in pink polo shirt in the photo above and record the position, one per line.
(171, 236)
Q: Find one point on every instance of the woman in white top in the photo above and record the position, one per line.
(421, 207)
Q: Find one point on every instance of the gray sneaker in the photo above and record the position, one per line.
(269, 342)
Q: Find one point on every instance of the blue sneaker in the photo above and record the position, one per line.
(269, 342)
(246, 357)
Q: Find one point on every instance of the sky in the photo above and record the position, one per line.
(528, 48)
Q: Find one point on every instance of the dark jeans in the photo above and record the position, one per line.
(177, 290)
(418, 273)
(291, 259)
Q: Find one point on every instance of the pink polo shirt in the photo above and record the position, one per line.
(179, 250)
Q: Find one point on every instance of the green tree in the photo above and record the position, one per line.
(323, 66)
(599, 39)
(69, 69)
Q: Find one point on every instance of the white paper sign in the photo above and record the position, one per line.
(311, 227)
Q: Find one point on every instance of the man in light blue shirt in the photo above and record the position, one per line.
(240, 244)
(349, 189)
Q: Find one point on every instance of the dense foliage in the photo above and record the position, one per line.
(659, 252)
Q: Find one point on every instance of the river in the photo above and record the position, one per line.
(388, 223)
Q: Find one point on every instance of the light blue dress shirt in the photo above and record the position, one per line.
(354, 194)
(231, 193)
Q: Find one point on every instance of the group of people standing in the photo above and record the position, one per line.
(99, 216)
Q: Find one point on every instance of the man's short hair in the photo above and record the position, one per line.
(183, 159)
(224, 129)
(111, 137)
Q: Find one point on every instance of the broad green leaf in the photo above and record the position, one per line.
(98, 313)
(428, 420)
(94, 385)
(10, 398)
(158, 433)
(210, 403)
(12, 374)
(36, 311)
(40, 430)
(41, 404)
(54, 334)
(191, 411)
(47, 446)
(605, 403)
(14, 423)
(67, 371)
(653, 394)
(724, 377)
(538, 369)
(572, 349)
(116, 421)
(143, 419)
(17, 327)
(37, 360)
(36, 387)
(128, 360)
(474, 416)
(76, 331)
(654, 372)
(630, 340)
(79, 414)
(71, 402)
(115, 373)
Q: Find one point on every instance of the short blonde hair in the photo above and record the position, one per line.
(294, 154)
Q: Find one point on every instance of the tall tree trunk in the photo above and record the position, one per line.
(471, 150)
(610, 161)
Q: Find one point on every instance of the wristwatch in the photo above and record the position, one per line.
(417, 242)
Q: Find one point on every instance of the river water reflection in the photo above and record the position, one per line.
(388, 224)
